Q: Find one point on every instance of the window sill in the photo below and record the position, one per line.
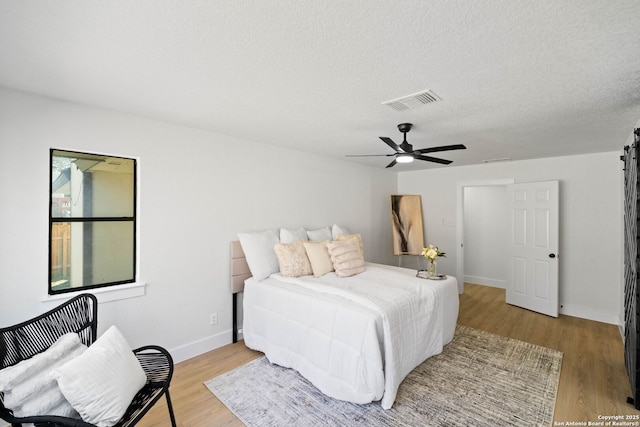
(108, 294)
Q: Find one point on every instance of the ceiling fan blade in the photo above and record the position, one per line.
(441, 148)
(391, 164)
(391, 144)
(369, 155)
(432, 159)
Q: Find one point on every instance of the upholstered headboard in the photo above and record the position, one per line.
(239, 273)
(239, 268)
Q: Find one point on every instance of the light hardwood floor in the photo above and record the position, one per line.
(593, 380)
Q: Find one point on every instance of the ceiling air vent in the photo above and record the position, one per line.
(414, 100)
(499, 159)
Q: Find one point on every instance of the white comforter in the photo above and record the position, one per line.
(354, 338)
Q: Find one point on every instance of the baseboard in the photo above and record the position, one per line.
(485, 281)
(213, 342)
(196, 348)
(201, 346)
(590, 314)
(567, 309)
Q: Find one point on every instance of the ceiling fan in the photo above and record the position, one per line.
(404, 153)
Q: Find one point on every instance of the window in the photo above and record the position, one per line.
(92, 221)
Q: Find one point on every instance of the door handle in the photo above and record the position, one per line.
(552, 255)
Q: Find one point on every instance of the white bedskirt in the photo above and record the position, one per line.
(354, 338)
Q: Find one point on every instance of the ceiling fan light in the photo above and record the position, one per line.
(404, 158)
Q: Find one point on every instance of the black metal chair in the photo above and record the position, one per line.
(80, 315)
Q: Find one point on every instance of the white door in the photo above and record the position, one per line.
(532, 271)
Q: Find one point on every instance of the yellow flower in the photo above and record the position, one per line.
(432, 253)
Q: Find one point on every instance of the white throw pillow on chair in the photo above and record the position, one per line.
(101, 383)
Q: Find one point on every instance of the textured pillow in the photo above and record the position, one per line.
(30, 389)
(101, 382)
(358, 238)
(319, 235)
(319, 257)
(336, 230)
(258, 250)
(292, 235)
(293, 259)
(346, 257)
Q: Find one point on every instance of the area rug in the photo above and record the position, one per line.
(480, 379)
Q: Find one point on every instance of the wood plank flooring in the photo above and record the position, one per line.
(593, 380)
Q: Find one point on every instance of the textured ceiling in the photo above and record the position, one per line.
(518, 79)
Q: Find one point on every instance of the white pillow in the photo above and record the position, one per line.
(320, 234)
(336, 230)
(258, 250)
(292, 235)
(30, 389)
(101, 383)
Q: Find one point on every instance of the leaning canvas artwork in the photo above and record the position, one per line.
(406, 224)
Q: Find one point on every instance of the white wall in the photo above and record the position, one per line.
(485, 235)
(590, 221)
(197, 191)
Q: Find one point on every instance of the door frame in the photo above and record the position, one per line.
(460, 221)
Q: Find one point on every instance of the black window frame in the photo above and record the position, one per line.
(85, 220)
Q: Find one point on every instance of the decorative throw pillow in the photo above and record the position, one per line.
(258, 250)
(319, 235)
(346, 257)
(101, 383)
(336, 230)
(352, 236)
(293, 259)
(30, 389)
(319, 257)
(292, 235)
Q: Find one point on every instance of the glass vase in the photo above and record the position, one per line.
(432, 268)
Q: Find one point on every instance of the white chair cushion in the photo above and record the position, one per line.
(29, 387)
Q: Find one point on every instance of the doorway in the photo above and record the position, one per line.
(529, 237)
(493, 189)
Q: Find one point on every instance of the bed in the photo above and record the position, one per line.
(355, 338)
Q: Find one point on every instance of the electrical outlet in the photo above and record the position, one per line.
(213, 318)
